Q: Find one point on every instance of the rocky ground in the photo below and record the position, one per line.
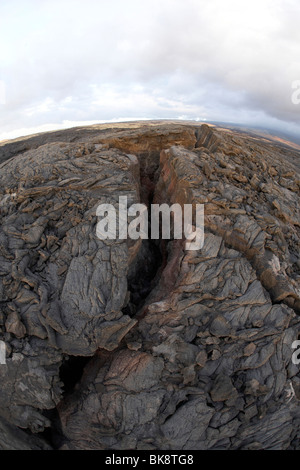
(131, 344)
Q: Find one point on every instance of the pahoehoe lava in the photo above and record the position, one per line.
(142, 344)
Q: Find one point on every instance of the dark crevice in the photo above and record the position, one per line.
(145, 271)
(53, 435)
(71, 371)
(142, 277)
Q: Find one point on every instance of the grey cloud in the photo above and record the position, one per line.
(102, 60)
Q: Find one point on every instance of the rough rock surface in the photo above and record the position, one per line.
(130, 344)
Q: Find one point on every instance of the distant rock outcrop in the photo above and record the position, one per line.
(131, 344)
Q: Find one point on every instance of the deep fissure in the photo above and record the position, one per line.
(145, 271)
(71, 371)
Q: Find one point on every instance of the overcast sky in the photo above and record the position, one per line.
(70, 62)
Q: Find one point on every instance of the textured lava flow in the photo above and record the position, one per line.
(130, 344)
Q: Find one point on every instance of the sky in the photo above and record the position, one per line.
(76, 62)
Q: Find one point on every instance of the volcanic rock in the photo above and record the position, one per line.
(144, 344)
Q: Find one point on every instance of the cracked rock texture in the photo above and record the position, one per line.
(131, 344)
